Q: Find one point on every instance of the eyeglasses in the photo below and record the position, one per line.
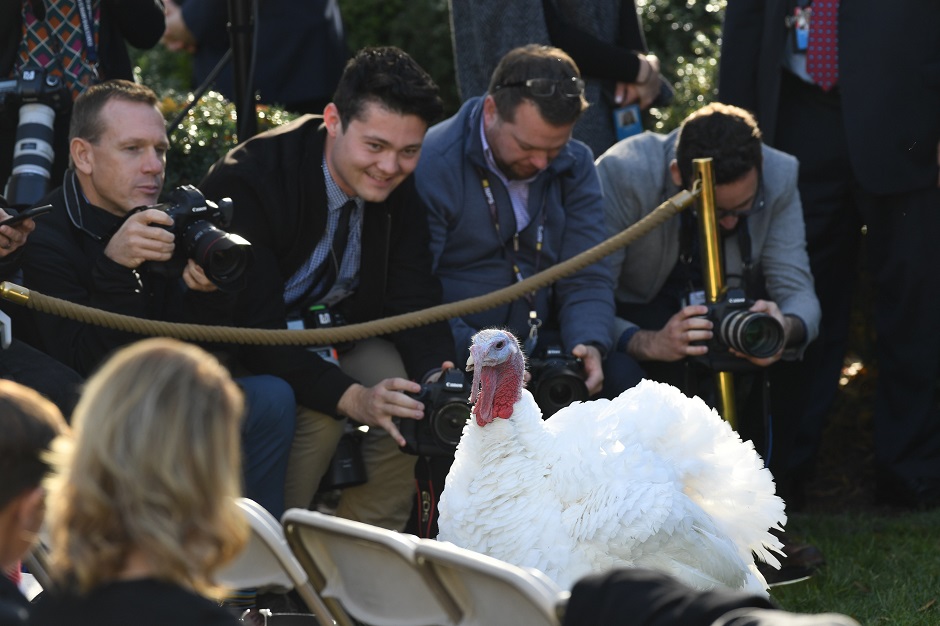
(756, 207)
(545, 87)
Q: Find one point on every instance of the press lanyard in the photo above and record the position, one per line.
(88, 30)
(534, 321)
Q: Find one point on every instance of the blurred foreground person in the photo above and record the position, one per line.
(28, 424)
(142, 511)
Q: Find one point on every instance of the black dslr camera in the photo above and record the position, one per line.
(39, 97)
(557, 379)
(756, 334)
(446, 410)
(198, 224)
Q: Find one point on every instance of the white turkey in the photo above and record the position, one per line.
(651, 479)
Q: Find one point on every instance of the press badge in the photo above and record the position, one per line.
(800, 25)
(628, 121)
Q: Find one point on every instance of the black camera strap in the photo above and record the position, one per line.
(74, 202)
(690, 257)
(510, 250)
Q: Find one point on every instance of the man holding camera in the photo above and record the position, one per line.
(330, 208)
(95, 249)
(764, 254)
(509, 194)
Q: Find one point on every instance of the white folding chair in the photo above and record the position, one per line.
(37, 562)
(267, 563)
(489, 591)
(371, 571)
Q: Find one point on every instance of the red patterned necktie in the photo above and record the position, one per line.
(822, 54)
(58, 43)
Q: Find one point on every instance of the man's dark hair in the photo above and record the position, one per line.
(727, 134)
(535, 61)
(390, 78)
(86, 120)
(28, 424)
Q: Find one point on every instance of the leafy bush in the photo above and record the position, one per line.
(207, 130)
(686, 36)
(205, 133)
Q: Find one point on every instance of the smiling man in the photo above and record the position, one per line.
(510, 193)
(329, 206)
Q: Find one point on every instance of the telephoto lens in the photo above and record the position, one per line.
(756, 334)
(32, 155)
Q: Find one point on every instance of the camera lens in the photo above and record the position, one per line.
(224, 257)
(32, 155)
(447, 422)
(557, 389)
(756, 334)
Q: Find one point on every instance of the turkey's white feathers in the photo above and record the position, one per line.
(651, 479)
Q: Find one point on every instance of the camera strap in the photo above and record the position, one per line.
(534, 322)
(73, 206)
(689, 255)
(62, 36)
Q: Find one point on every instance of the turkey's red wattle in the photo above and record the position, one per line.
(500, 388)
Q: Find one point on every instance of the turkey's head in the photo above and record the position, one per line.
(498, 367)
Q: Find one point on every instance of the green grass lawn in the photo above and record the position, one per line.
(882, 568)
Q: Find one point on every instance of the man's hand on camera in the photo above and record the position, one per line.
(593, 367)
(196, 279)
(675, 340)
(139, 239)
(12, 237)
(436, 376)
(376, 406)
(771, 309)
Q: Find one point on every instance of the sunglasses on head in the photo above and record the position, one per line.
(546, 87)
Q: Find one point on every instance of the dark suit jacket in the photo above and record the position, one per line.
(276, 182)
(889, 78)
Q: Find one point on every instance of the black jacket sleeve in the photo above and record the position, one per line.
(649, 598)
(595, 58)
(69, 265)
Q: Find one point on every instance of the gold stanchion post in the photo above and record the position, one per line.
(714, 271)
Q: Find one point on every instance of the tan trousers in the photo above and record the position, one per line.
(385, 499)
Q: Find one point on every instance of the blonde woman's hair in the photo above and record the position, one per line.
(153, 470)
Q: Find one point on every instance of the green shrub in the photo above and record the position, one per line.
(205, 133)
(686, 36)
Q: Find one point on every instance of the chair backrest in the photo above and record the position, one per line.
(37, 562)
(267, 562)
(490, 591)
(371, 571)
